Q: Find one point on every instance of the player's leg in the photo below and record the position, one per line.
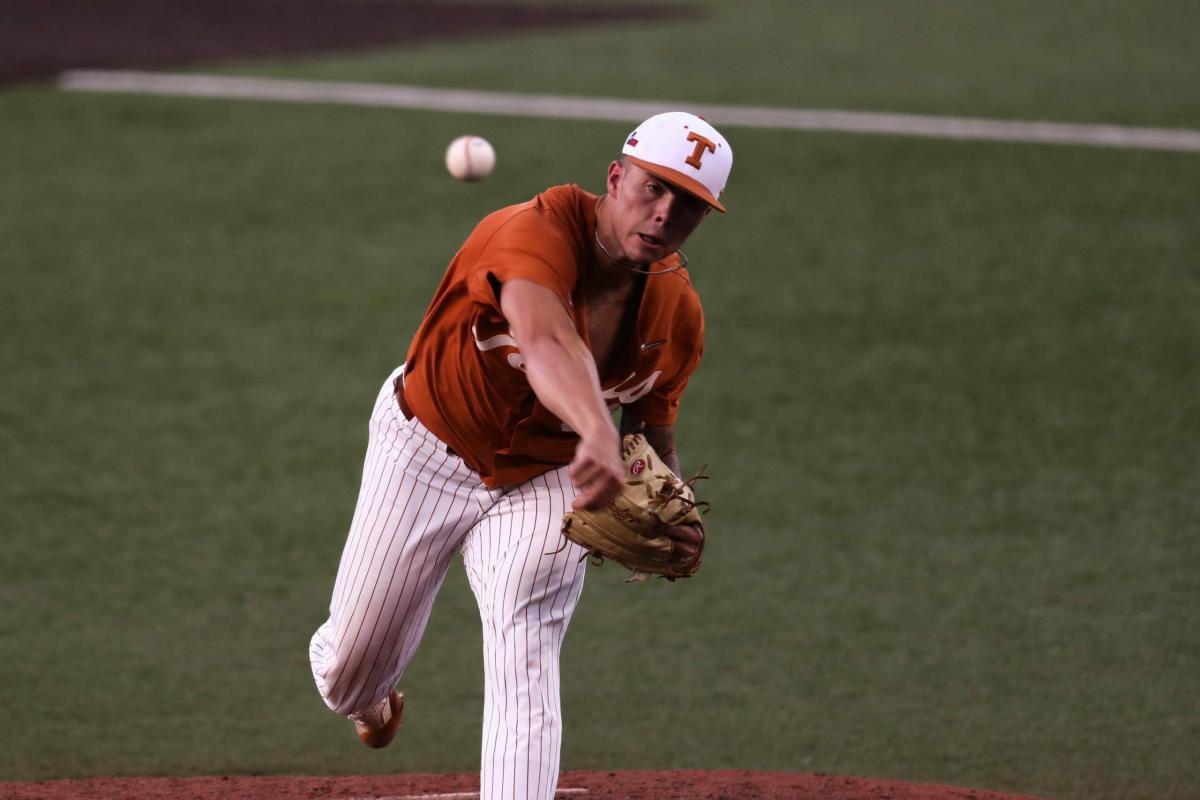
(415, 505)
(526, 593)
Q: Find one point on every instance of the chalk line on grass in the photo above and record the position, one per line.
(615, 109)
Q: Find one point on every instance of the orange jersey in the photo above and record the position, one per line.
(464, 375)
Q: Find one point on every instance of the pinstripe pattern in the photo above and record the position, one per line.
(417, 505)
(526, 599)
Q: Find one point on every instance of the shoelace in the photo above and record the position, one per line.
(377, 716)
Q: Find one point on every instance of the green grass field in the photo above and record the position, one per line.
(949, 403)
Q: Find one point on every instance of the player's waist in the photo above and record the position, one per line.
(398, 388)
(406, 410)
(502, 454)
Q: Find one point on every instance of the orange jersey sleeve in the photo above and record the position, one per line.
(526, 242)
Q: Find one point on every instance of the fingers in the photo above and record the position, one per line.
(687, 535)
(689, 545)
(598, 483)
(597, 470)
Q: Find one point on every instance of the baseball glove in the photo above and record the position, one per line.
(635, 529)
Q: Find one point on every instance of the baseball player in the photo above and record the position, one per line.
(553, 313)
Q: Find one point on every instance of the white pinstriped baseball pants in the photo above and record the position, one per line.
(417, 505)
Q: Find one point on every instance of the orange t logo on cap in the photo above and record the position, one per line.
(702, 144)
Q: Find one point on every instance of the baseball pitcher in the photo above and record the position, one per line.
(497, 432)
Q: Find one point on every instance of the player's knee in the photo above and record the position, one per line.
(343, 695)
(343, 703)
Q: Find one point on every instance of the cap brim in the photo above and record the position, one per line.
(677, 178)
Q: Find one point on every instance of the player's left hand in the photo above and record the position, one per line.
(689, 546)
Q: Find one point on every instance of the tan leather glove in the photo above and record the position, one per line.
(645, 526)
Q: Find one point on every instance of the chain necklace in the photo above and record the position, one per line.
(600, 244)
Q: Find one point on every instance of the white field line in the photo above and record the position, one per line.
(457, 795)
(633, 111)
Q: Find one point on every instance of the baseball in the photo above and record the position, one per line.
(470, 158)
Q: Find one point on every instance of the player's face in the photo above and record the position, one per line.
(650, 218)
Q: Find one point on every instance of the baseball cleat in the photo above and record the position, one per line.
(377, 725)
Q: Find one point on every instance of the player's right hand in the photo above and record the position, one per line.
(597, 471)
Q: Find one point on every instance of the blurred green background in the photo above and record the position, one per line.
(949, 402)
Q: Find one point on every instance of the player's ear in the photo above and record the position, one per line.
(616, 170)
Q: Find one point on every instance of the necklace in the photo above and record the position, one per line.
(600, 244)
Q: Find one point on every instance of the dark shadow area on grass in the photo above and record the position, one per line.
(39, 38)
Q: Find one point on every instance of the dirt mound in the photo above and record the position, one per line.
(674, 785)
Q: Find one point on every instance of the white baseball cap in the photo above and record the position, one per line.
(683, 150)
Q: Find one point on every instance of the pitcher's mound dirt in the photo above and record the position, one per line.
(675, 785)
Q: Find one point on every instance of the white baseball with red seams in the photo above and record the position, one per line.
(470, 158)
